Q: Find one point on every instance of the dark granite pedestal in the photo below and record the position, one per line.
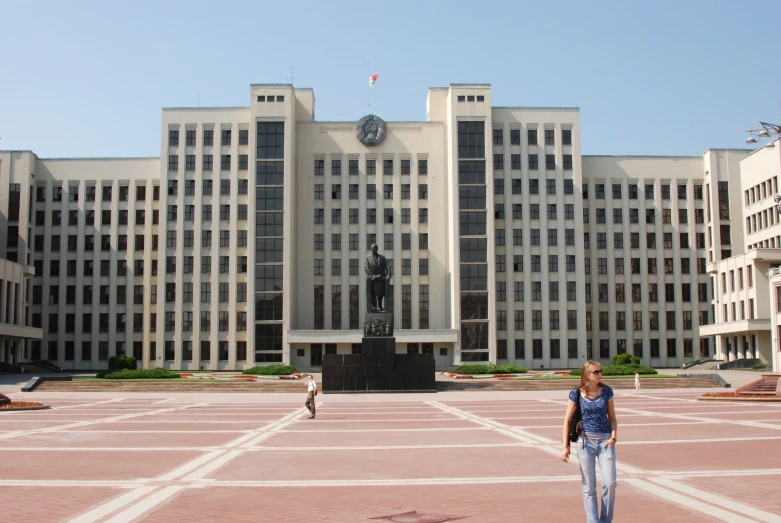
(378, 369)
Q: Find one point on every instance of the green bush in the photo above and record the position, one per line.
(478, 368)
(759, 366)
(620, 370)
(122, 361)
(271, 370)
(634, 360)
(139, 374)
(622, 359)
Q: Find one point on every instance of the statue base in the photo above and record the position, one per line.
(378, 368)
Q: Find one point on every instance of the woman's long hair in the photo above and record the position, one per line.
(585, 372)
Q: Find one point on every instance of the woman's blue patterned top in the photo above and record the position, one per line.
(594, 412)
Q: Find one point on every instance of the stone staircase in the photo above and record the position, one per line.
(766, 385)
(297, 386)
(568, 384)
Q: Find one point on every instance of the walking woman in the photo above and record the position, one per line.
(596, 442)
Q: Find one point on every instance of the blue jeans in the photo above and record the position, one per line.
(594, 450)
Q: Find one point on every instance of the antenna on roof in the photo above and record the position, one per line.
(292, 76)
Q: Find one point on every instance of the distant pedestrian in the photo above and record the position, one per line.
(637, 380)
(596, 442)
(311, 388)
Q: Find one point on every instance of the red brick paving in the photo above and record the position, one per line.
(345, 439)
(98, 440)
(758, 491)
(501, 503)
(86, 465)
(702, 456)
(48, 504)
(471, 478)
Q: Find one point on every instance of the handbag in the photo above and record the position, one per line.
(576, 423)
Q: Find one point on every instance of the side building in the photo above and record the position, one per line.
(746, 284)
(505, 243)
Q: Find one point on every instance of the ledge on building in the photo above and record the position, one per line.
(352, 336)
(754, 255)
(734, 327)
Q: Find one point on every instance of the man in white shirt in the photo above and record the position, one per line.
(311, 388)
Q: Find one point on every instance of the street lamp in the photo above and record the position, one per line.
(767, 130)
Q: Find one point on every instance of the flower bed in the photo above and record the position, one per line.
(734, 396)
(525, 375)
(23, 405)
(221, 376)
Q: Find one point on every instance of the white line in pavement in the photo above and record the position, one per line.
(680, 474)
(210, 467)
(78, 424)
(393, 482)
(191, 465)
(115, 504)
(68, 483)
(137, 510)
(162, 401)
(352, 431)
(83, 405)
(398, 447)
(680, 499)
(718, 500)
(108, 449)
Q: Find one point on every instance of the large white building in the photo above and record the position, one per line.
(507, 245)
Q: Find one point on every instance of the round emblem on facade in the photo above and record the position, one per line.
(371, 130)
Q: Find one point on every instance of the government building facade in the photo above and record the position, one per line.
(244, 242)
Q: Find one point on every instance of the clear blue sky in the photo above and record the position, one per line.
(90, 78)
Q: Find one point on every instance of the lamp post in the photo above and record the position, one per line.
(766, 131)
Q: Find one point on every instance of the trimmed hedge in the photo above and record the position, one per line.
(271, 370)
(478, 368)
(625, 359)
(122, 361)
(759, 366)
(620, 370)
(138, 374)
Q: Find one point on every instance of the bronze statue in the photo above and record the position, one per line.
(377, 271)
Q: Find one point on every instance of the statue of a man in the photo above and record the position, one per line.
(377, 271)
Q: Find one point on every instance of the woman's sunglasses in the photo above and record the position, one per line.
(598, 371)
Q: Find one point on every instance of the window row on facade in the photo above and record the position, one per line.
(404, 310)
(118, 294)
(120, 324)
(761, 220)
(556, 322)
(188, 267)
(555, 348)
(650, 216)
(761, 191)
(371, 191)
(648, 193)
(651, 266)
(603, 294)
(370, 166)
(549, 137)
(355, 264)
(191, 136)
(106, 192)
(89, 349)
(533, 162)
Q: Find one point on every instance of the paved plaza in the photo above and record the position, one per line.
(465, 456)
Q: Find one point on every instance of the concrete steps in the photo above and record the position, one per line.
(767, 384)
(568, 384)
(299, 386)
